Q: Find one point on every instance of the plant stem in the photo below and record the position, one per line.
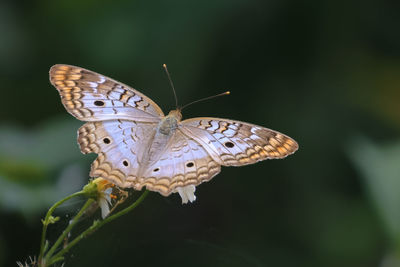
(67, 230)
(46, 221)
(96, 225)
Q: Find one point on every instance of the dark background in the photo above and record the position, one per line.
(327, 73)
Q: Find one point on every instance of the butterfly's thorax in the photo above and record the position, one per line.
(169, 123)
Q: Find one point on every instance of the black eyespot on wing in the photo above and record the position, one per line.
(229, 144)
(189, 164)
(99, 103)
(156, 169)
(106, 140)
(126, 164)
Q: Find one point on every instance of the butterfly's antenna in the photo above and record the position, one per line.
(206, 98)
(172, 84)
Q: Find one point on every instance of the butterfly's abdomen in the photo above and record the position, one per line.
(165, 130)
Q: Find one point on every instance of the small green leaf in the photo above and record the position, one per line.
(51, 220)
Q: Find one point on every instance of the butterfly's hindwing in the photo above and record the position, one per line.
(183, 162)
(236, 143)
(90, 96)
(117, 143)
(123, 145)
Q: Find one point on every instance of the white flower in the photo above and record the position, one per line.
(186, 193)
(101, 190)
(104, 202)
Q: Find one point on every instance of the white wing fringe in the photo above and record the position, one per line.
(187, 193)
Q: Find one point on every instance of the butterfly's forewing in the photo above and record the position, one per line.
(118, 144)
(235, 143)
(182, 162)
(90, 96)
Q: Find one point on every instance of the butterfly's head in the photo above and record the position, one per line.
(176, 114)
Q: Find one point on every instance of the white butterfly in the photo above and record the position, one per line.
(137, 145)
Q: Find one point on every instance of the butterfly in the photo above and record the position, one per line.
(138, 146)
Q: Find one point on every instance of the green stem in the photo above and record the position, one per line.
(46, 221)
(96, 225)
(67, 230)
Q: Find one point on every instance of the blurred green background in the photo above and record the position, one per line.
(327, 73)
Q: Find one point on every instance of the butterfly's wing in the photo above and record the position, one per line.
(90, 96)
(119, 145)
(182, 163)
(236, 143)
